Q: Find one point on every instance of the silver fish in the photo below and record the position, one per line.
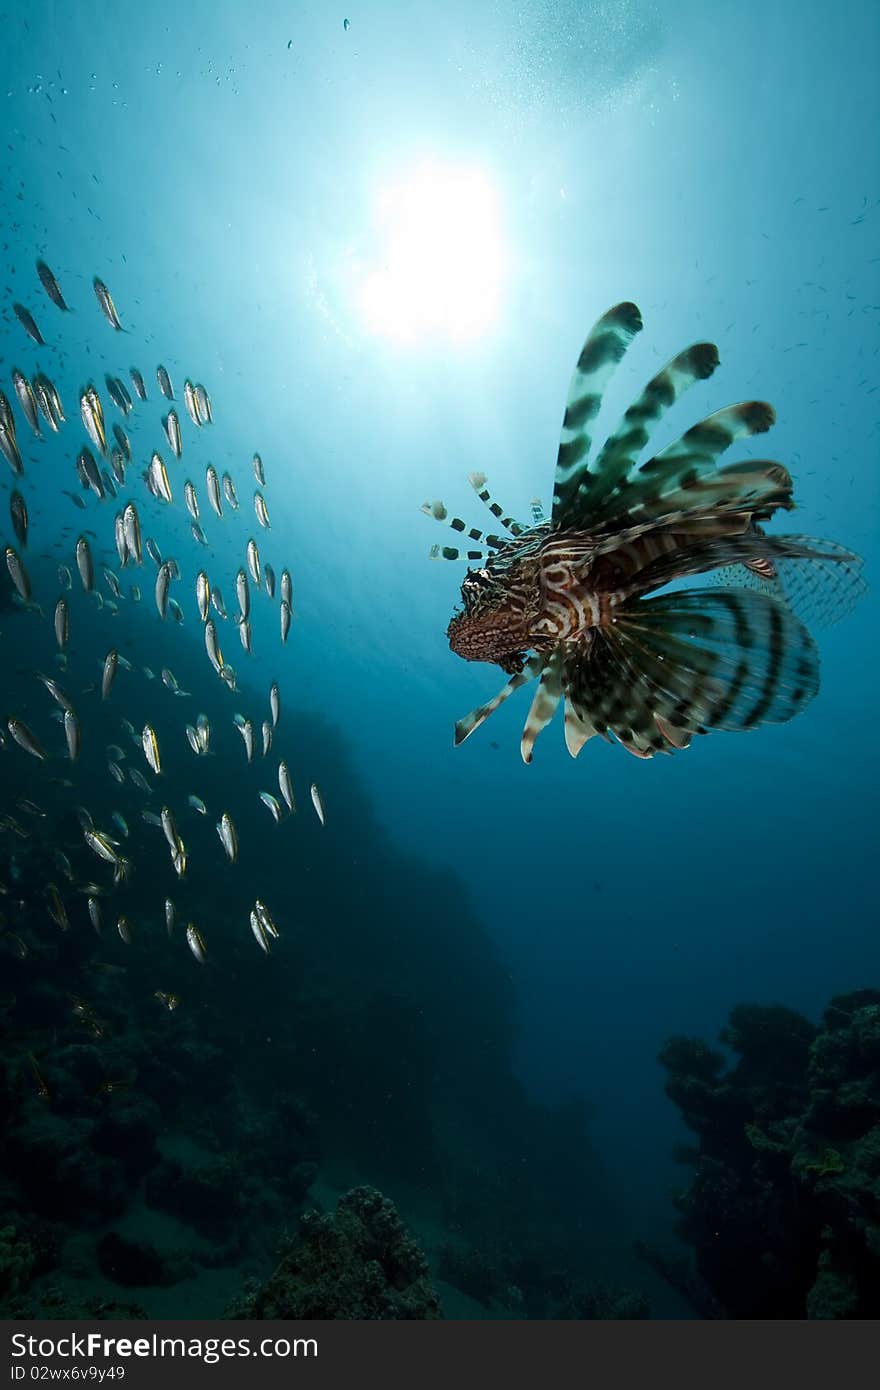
(112, 583)
(89, 475)
(259, 932)
(119, 538)
(117, 464)
(101, 845)
(65, 579)
(213, 483)
(151, 818)
(25, 739)
(115, 392)
(169, 827)
(92, 412)
(122, 438)
(27, 400)
(287, 588)
(266, 919)
(203, 405)
(158, 481)
(131, 526)
(198, 534)
(153, 551)
(73, 734)
(259, 471)
(285, 619)
(121, 823)
(51, 286)
(151, 749)
(197, 804)
(95, 915)
(203, 595)
(193, 739)
(123, 926)
(229, 492)
(18, 514)
(137, 382)
(192, 502)
(54, 690)
(196, 943)
(163, 585)
(317, 802)
(243, 594)
(261, 510)
(8, 440)
(275, 703)
(246, 729)
(217, 602)
(116, 772)
(171, 426)
(164, 383)
(253, 560)
(108, 308)
(285, 782)
(62, 623)
(170, 916)
(85, 564)
(189, 400)
(269, 576)
(267, 737)
(244, 634)
(17, 573)
(212, 646)
(228, 836)
(203, 728)
(140, 780)
(26, 319)
(108, 675)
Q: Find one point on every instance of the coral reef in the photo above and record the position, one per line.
(359, 1262)
(783, 1210)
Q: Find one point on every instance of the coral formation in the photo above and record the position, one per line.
(783, 1210)
(359, 1262)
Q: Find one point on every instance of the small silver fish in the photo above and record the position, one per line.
(285, 619)
(116, 772)
(18, 514)
(229, 492)
(267, 737)
(120, 822)
(203, 595)
(212, 646)
(153, 551)
(198, 804)
(189, 400)
(259, 472)
(196, 943)
(151, 749)
(17, 573)
(65, 579)
(92, 413)
(62, 623)
(261, 510)
(140, 780)
(169, 827)
(285, 783)
(152, 819)
(203, 405)
(108, 308)
(131, 526)
(85, 564)
(73, 734)
(95, 914)
(287, 588)
(266, 919)
(112, 583)
(163, 585)
(27, 400)
(269, 576)
(51, 286)
(26, 319)
(164, 383)
(54, 690)
(204, 731)
(171, 426)
(246, 729)
(217, 602)
(213, 484)
(228, 836)
(108, 675)
(192, 502)
(158, 481)
(123, 926)
(271, 803)
(275, 703)
(25, 739)
(317, 802)
(137, 382)
(244, 633)
(101, 845)
(170, 916)
(253, 561)
(259, 932)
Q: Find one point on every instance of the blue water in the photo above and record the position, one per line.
(220, 168)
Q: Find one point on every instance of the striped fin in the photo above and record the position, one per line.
(682, 477)
(544, 704)
(603, 349)
(726, 550)
(620, 451)
(693, 661)
(578, 731)
(820, 591)
(478, 483)
(466, 726)
(450, 552)
(437, 510)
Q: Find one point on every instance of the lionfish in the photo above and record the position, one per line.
(567, 601)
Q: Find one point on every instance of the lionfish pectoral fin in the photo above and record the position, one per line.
(438, 512)
(605, 345)
(466, 726)
(544, 704)
(705, 659)
(478, 483)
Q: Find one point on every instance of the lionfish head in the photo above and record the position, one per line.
(489, 628)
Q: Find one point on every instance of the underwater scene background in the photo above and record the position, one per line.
(378, 237)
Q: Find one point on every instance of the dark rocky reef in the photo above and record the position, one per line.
(783, 1210)
(358, 1262)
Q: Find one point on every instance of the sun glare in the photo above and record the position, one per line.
(440, 264)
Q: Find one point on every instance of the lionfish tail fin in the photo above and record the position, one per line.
(820, 588)
(466, 726)
(692, 661)
(607, 342)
